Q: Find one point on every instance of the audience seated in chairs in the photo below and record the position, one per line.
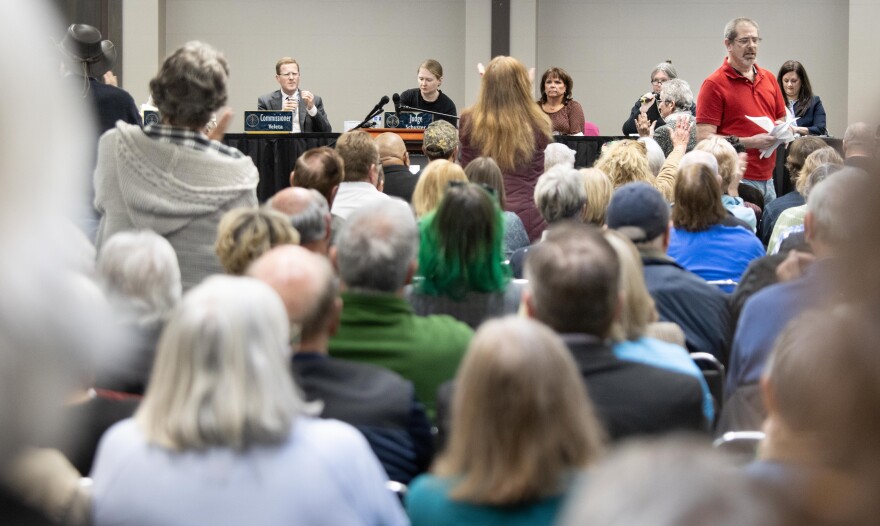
(170, 177)
(637, 334)
(574, 280)
(461, 266)
(484, 170)
(222, 423)
(378, 402)
(376, 256)
(139, 275)
(522, 431)
(639, 212)
(798, 151)
(701, 242)
(244, 234)
(560, 195)
(827, 225)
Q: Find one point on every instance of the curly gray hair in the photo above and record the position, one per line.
(191, 85)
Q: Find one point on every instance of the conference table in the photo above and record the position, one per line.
(275, 154)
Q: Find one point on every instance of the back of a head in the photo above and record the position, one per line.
(700, 156)
(306, 284)
(191, 85)
(359, 154)
(376, 247)
(319, 168)
(599, 190)
(484, 170)
(390, 145)
(432, 184)
(558, 154)
(140, 274)
(725, 155)
(639, 212)
(521, 418)
(574, 280)
(625, 162)
(504, 121)
(462, 244)
(697, 199)
(656, 158)
(830, 204)
(676, 481)
(859, 139)
(818, 157)
(439, 140)
(307, 211)
(560, 194)
(221, 374)
(244, 234)
(797, 153)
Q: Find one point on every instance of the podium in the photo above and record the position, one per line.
(412, 137)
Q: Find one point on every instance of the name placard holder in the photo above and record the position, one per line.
(408, 119)
(268, 121)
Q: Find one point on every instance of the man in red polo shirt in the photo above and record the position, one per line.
(737, 89)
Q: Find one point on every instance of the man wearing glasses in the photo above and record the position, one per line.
(737, 89)
(308, 109)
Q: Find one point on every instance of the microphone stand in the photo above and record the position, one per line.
(410, 108)
(366, 122)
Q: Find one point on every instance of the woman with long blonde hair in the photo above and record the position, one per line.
(506, 125)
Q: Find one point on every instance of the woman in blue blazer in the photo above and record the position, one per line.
(799, 98)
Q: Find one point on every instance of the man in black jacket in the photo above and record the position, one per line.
(378, 402)
(573, 288)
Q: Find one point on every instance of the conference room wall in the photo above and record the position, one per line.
(354, 52)
(610, 46)
(350, 53)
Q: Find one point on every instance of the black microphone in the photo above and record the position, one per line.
(377, 109)
(396, 99)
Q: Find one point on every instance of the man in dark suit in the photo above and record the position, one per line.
(308, 107)
(378, 402)
(573, 288)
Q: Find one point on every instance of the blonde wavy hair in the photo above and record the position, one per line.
(626, 162)
(819, 157)
(599, 192)
(503, 122)
(725, 154)
(244, 234)
(432, 184)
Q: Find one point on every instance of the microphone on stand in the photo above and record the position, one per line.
(396, 99)
(375, 111)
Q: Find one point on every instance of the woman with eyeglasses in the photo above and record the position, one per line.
(799, 99)
(462, 271)
(674, 103)
(647, 103)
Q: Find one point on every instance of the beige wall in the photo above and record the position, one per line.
(610, 47)
(353, 52)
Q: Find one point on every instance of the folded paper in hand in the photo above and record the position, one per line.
(781, 132)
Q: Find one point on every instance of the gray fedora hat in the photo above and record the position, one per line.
(89, 54)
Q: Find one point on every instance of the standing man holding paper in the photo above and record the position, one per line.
(308, 108)
(739, 89)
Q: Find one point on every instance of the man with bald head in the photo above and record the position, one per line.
(380, 403)
(309, 214)
(860, 147)
(399, 180)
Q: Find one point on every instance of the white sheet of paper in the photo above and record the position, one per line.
(782, 132)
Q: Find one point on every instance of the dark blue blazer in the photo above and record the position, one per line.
(814, 118)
